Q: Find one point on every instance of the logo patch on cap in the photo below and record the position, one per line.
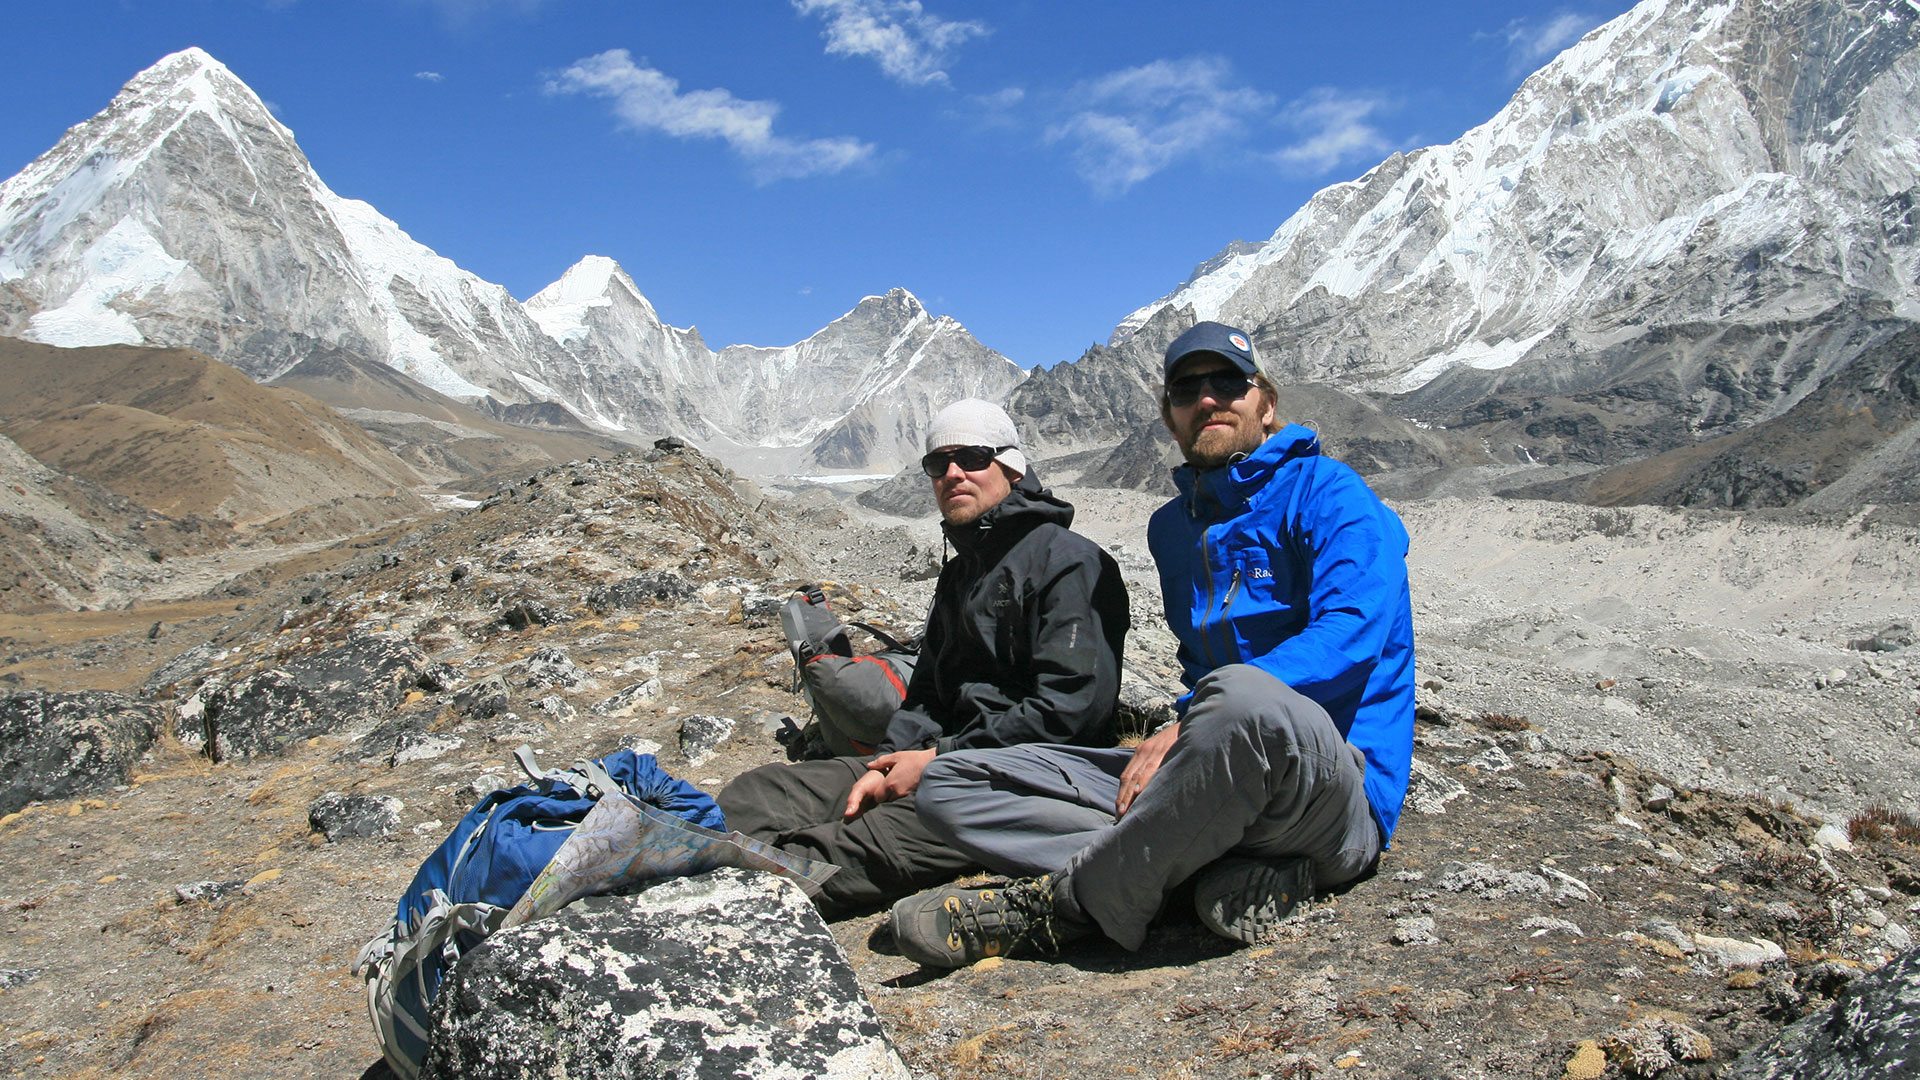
(1239, 342)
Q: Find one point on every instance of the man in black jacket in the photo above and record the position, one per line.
(1023, 645)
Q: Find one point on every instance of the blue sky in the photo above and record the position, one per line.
(1034, 168)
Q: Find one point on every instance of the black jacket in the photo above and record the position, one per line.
(1024, 640)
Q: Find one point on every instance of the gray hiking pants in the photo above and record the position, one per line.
(884, 854)
(1257, 769)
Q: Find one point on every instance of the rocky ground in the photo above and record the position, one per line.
(1643, 736)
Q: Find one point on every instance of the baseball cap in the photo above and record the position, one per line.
(1212, 337)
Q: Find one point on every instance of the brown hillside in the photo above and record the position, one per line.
(183, 434)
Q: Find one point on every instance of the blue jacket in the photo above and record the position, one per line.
(1286, 560)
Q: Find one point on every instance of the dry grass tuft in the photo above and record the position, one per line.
(1499, 721)
(972, 1051)
(1266, 1039)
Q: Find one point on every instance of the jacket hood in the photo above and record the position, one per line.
(1230, 486)
(1028, 505)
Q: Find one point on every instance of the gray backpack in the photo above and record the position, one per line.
(851, 696)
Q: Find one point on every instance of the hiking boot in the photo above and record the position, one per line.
(952, 927)
(1245, 899)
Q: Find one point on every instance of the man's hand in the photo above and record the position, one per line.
(1146, 761)
(889, 777)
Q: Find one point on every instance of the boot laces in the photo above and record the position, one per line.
(998, 921)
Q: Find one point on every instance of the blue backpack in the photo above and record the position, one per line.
(466, 887)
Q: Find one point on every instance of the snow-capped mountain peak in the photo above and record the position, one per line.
(1684, 225)
(185, 214)
(594, 282)
(96, 156)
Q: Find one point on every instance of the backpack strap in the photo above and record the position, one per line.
(885, 638)
(586, 777)
(399, 956)
(598, 783)
(529, 764)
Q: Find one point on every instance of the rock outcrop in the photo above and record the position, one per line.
(354, 817)
(728, 974)
(1871, 1032)
(58, 745)
(261, 713)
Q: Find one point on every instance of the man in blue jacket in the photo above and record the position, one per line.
(1284, 579)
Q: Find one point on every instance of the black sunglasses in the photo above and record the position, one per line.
(969, 458)
(1223, 385)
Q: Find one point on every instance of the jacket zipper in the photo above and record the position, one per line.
(1206, 568)
(1226, 616)
(1226, 606)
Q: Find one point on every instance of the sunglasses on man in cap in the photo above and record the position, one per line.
(969, 458)
(1223, 385)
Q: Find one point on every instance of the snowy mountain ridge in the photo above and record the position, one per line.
(185, 214)
(1765, 135)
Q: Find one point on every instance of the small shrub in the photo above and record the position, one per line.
(1499, 721)
(1781, 868)
(1884, 823)
(1612, 522)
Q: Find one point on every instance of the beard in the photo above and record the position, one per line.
(1210, 448)
(965, 514)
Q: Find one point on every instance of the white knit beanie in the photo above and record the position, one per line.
(973, 422)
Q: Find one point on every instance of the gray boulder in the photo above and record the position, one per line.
(728, 974)
(263, 713)
(354, 817)
(1871, 1031)
(12, 977)
(627, 701)
(56, 745)
(549, 668)
(641, 590)
(523, 611)
(1143, 706)
(483, 699)
(701, 736)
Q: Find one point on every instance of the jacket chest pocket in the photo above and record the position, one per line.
(1264, 602)
(1000, 615)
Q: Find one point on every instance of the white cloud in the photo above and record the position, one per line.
(999, 110)
(429, 76)
(1002, 99)
(463, 11)
(1531, 43)
(1335, 131)
(1130, 124)
(646, 99)
(911, 45)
